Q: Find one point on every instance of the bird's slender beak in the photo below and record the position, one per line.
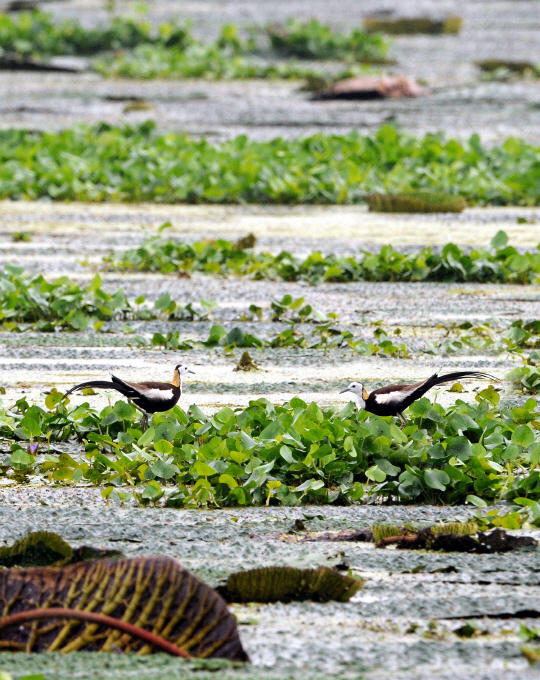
(190, 371)
(347, 389)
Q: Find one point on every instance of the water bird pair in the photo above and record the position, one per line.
(392, 400)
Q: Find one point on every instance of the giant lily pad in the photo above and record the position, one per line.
(154, 593)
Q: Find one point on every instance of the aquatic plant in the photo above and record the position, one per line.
(286, 454)
(106, 163)
(499, 263)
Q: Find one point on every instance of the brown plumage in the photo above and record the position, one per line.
(392, 400)
(148, 397)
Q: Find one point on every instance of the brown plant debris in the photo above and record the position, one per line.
(285, 584)
(451, 25)
(372, 87)
(532, 654)
(246, 242)
(138, 105)
(496, 541)
(419, 202)
(351, 535)
(154, 593)
(246, 363)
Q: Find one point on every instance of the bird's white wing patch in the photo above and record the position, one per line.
(157, 395)
(392, 397)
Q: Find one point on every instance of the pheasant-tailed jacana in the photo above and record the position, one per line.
(392, 400)
(147, 397)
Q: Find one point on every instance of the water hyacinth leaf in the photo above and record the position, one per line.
(499, 240)
(459, 447)
(271, 431)
(30, 427)
(247, 442)
(21, 458)
(124, 410)
(479, 502)
(152, 491)
(163, 446)
(147, 437)
(236, 337)
(53, 398)
(436, 479)
(203, 470)
(155, 590)
(523, 435)
(286, 584)
(228, 480)
(421, 407)
(375, 474)
(311, 485)
(163, 470)
(109, 419)
(287, 455)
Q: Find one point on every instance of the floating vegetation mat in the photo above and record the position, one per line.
(138, 163)
(420, 202)
(283, 584)
(413, 25)
(520, 67)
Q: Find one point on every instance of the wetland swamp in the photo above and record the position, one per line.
(272, 466)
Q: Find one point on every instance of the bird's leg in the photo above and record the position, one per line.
(404, 422)
(144, 419)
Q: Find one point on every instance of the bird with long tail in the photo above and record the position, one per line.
(147, 397)
(392, 400)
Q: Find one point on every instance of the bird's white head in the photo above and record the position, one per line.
(357, 388)
(179, 372)
(184, 370)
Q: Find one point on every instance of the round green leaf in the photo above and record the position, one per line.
(202, 469)
(375, 474)
(523, 435)
(163, 470)
(163, 446)
(436, 479)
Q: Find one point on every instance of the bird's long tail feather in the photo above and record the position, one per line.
(458, 375)
(103, 384)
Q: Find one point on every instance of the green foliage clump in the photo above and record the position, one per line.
(171, 51)
(288, 454)
(196, 61)
(105, 163)
(500, 263)
(61, 303)
(313, 40)
(35, 33)
(418, 202)
(324, 336)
